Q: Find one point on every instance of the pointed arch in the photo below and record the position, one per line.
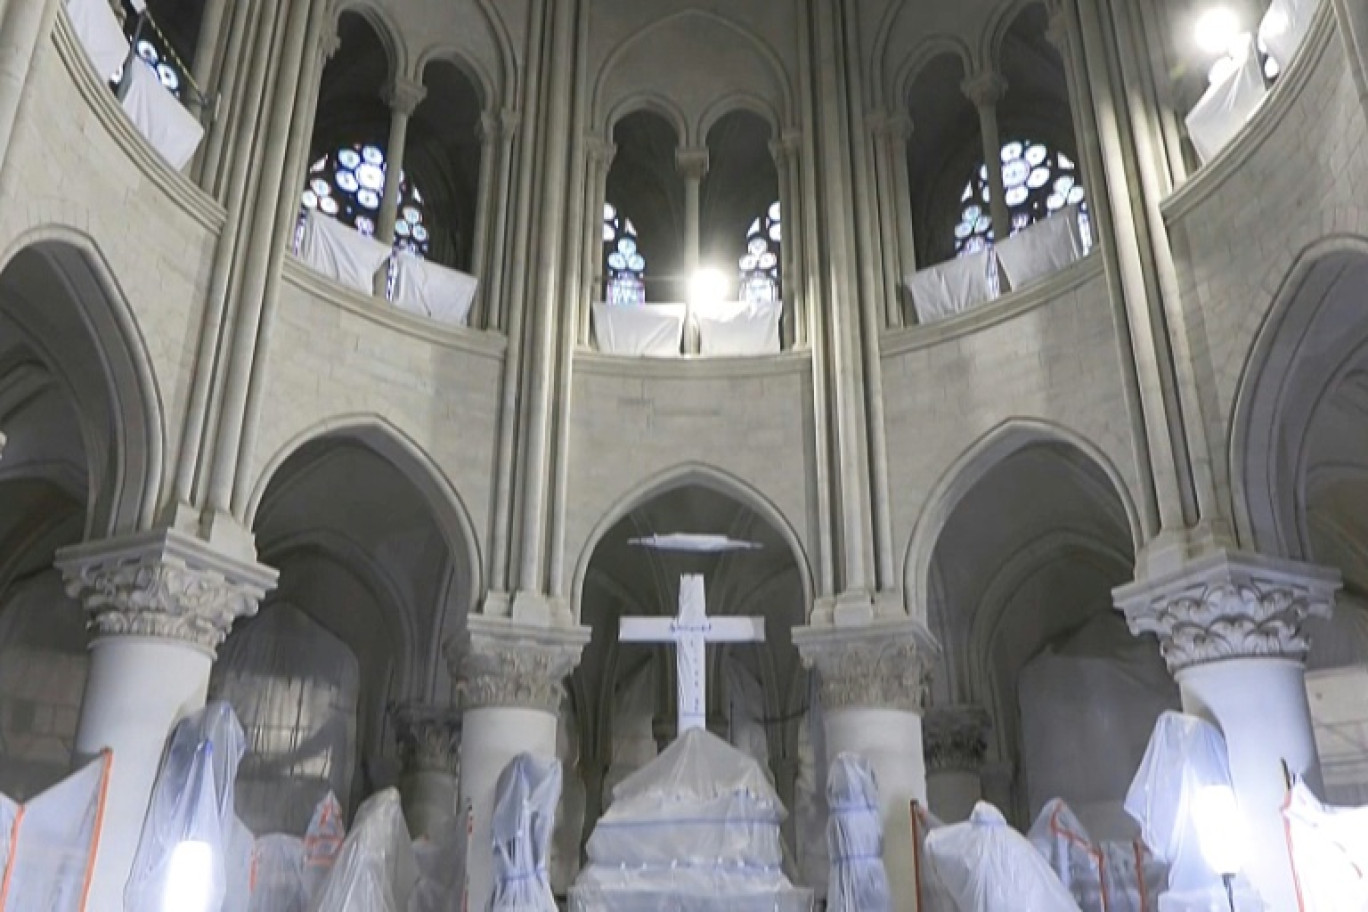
(1269, 510)
(999, 25)
(990, 450)
(704, 476)
(652, 103)
(95, 347)
(379, 435)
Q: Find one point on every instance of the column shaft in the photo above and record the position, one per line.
(901, 128)
(136, 691)
(779, 151)
(496, 259)
(229, 103)
(23, 26)
(887, 201)
(693, 166)
(484, 215)
(985, 90)
(394, 169)
(207, 45)
(600, 161)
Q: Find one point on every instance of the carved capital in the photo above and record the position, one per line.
(329, 44)
(601, 152)
(883, 665)
(489, 128)
(1057, 30)
(163, 584)
(429, 738)
(496, 662)
(692, 164)
(955, 738)
(404, 96)
(1229, 606)
(509, 119)
(984, 89)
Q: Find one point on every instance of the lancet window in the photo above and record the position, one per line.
(1039, 181)
(760, 266)
(349, 185)
(626, 267)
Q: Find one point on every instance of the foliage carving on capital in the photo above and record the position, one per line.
(984, 89)
(875, 670)
(429, 738)
(505, 665)
(955, 738)
(1233, 610)
(404, 95)
(165, 585)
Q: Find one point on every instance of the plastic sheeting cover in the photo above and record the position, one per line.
(1042, 248)
(525, 802)
(432, 290)
(1227, 105)
(1185, 756)
(739, 328)
(858, 881)
(341, 253)
(50, 843)
(1103, 877)
(931, 893)
(696, 830)
(1329, 849)
(98, 30)
(951, 287)
(648, 330)
(1284, 26)
(172, 130)
(288, 871)
(986, 866)
(188, 836)
(376, 870)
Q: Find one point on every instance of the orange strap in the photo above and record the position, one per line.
(1140, 874)
(107, 756)
(1093, 852)
(1291, 852)
(916, 851)
(9, 862)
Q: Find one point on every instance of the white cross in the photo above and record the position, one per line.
(691, 630)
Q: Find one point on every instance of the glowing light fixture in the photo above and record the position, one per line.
(189, 878)
(708, 286)
(1220, 833)
(1217, 30)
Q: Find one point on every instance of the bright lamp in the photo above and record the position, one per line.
(708, 286)
(1217, 30)
(1220, 829)
(189, 878)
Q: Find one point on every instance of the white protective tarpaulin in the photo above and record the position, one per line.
(287, 870)
(189, 835)
(98, 30)
(1329, 849)
(858, 881)
(1103, 877)
(159, 116)
(1284, 26)
(739, 328)
(1042, 248)
(931, 893)
(1228, 103)
(340, 252)
(696, 830)
(951, 287)
(49, 844)
(986, 866)
(651, 330)
(431, 290)
(1184, 766)
(376, 870)
(525, 802)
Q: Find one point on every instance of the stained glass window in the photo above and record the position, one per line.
(349, 185)
(154, 49)
(1038, 181)
(760, 275)
(626, 267)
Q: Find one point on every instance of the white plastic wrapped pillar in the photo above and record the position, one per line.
(189, 834)
(524, 815)
(376, 870)
(986, 866)
(1329, 850)
(858, 882)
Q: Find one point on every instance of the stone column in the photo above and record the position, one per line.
(403, 97)
(899, 131)
(985, 90)
(488, 130)
(1230, 628)
(872, 686)
(496, 246)
(693, 167)
(23, 26)
(206, 48)
(510, 679)
(600, 161)
(883, 127)
(784, 151)
(429, 740)
(160, 604)
(956, 744)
